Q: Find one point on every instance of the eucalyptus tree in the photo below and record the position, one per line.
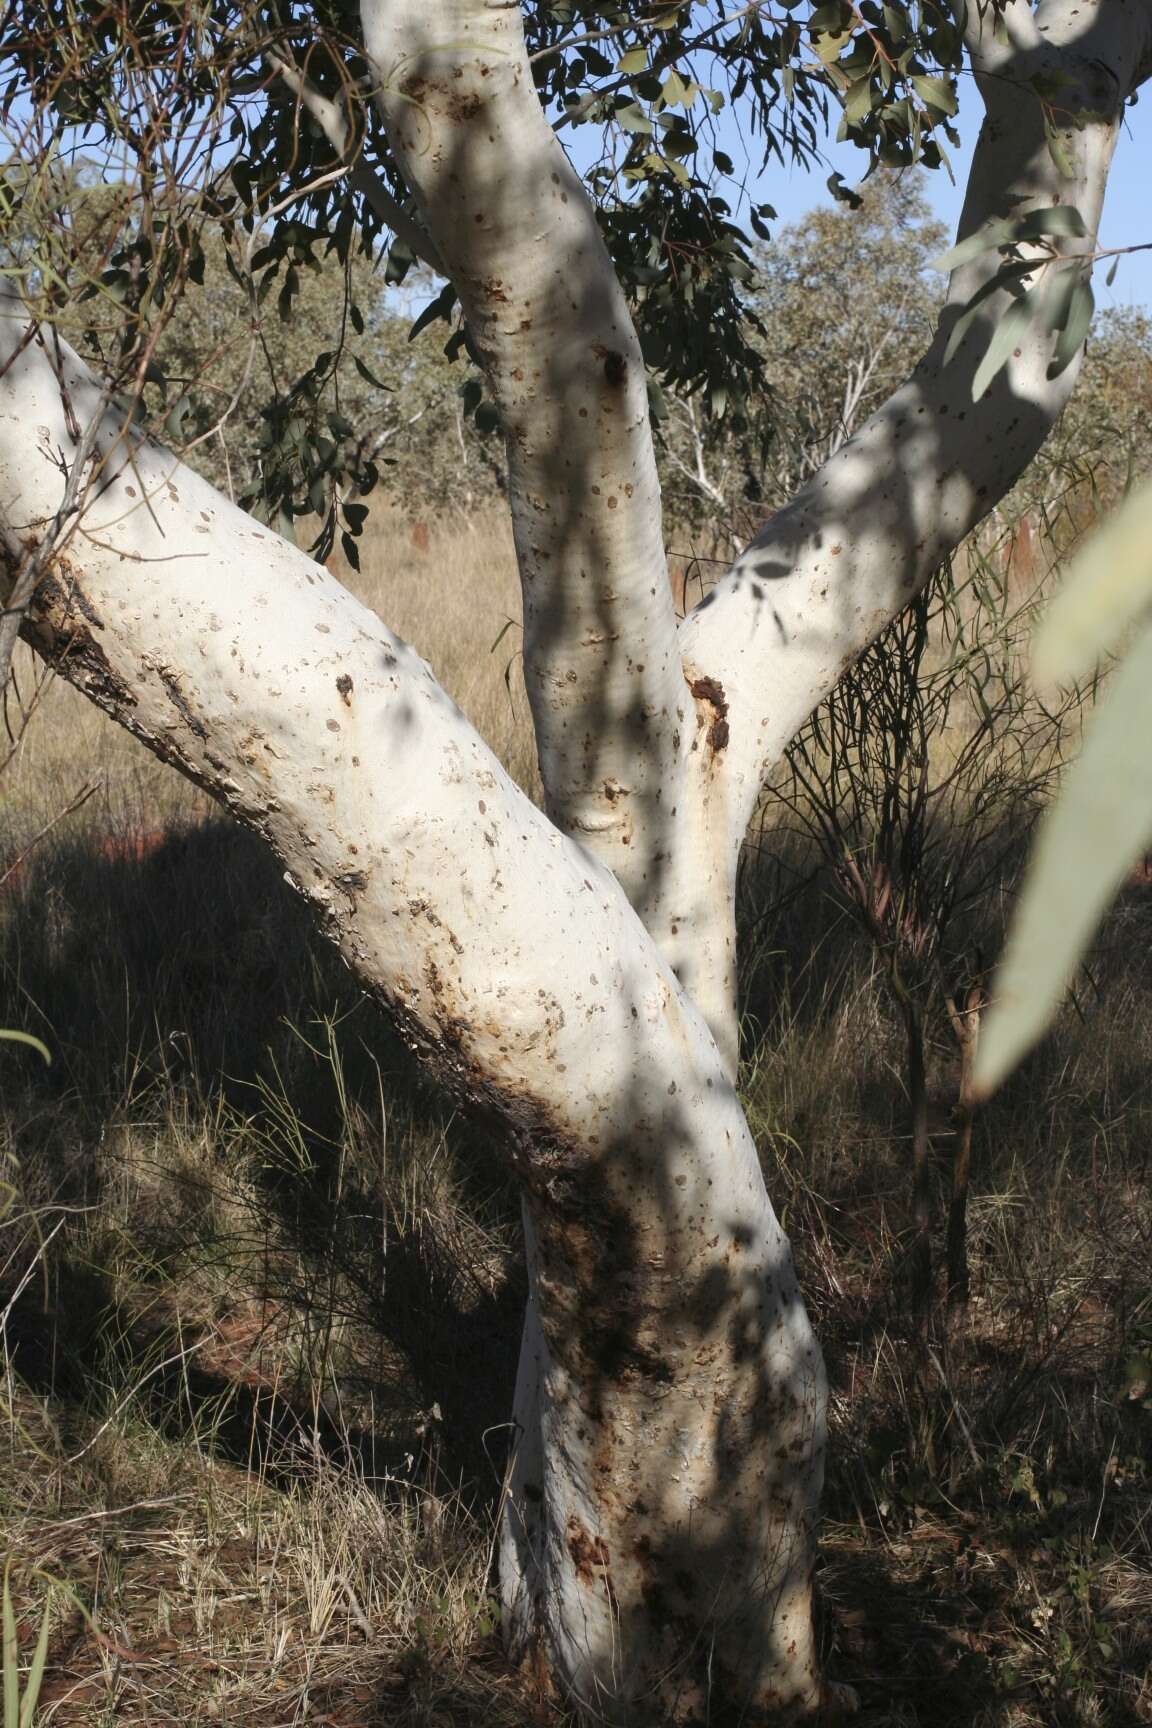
(841, 305)
(569, 969)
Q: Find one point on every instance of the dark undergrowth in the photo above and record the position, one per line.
(261, 1296)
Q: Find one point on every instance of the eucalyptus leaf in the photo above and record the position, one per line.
(935, 93)
(633, 118)
(1058, 220)
(858, 101)
(37, 1044)
(1108, 587)
(438, 308)
(1003, 279)
(1075, 327)
(1010, 331)
(1088, 840)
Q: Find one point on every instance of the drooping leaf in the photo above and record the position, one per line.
(1075, 327)
(34, 1043)
(858, 100)
(1060, 220)
(1087, 842)
(1108, 587)
(936, 93)
(633, 119)
(843, 193)
(1011, 330)
(368, 375)
(1002, 279)
(438, 308)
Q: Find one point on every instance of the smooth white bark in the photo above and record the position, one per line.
(545, 311)
(827, 572)
(681, 1391)
(661, 1518)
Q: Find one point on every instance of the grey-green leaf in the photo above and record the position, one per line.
(1108, 587)
(36, 1044)
(1075, 329)
(935, 93)
(1011, 329)
(1059, 220)
(1002, 279)
(1088, 840)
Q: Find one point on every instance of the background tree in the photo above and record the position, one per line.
(866, 267)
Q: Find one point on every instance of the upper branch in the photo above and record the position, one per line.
(992, 38)
(549, 321)
(830, 570)
(332, 120)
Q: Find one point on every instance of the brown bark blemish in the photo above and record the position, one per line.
(589, 1556)
(711, 691)
(344, 686)
(74, 647)
(615, 365)
(180, 702)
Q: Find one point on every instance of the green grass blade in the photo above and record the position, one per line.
(10, 1659)
(36, 1672)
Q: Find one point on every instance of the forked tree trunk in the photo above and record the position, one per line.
(661, 1530)
(574, 972)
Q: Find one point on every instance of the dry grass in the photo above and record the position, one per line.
(260, 1289)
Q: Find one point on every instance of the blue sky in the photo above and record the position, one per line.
(1127, 208)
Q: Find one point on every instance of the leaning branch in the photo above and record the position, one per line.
(505, 954)
(829, 571)
(333, 122)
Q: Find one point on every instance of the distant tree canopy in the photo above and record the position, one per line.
(286, 408)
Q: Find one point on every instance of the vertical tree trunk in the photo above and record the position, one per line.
(659, 1536)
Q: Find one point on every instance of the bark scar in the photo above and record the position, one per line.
(589, 1556)
(711, 690)
(615, 365)
(180, 702)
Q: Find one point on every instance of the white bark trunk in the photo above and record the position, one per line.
(519, 239)
(827, 572)
(623, 741)
(672, 1512)
(661, 1519)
